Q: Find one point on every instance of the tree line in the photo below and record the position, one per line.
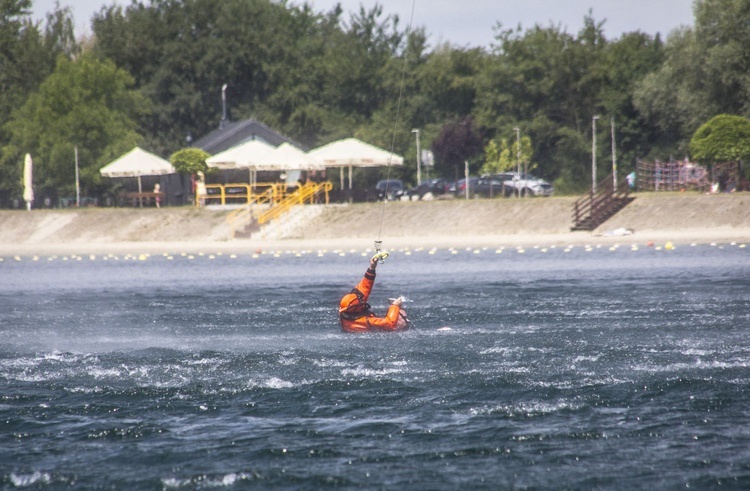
(151, 74)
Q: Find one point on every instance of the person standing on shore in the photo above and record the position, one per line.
(157, 195)
(354, 311)
(200, 189)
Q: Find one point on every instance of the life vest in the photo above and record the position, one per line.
(355, 314)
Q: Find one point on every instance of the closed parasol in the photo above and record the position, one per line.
(28, 181)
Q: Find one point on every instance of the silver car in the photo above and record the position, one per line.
(526, 184)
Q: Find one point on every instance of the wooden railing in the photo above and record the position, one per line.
(594, 208)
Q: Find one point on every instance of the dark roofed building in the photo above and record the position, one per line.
(234, 133)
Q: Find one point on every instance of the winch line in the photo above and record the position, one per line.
(398, 116)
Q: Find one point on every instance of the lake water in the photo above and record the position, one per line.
(562, 368)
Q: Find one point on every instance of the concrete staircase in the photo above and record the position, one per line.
(287, 225)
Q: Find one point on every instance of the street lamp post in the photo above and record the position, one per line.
(518, 156)
(419, 159)
(223, 105)
(78, 182)
(614, 156)
(593, 153)
(466, 177)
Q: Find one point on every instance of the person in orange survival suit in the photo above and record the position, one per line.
(354, 311)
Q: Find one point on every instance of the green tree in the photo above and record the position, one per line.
(627, 61)
(457, 143)
(551, 82)
(13, 34)
(704, 73)
(496, 158)
(722, 31)
(28, 53)
(725, 138)
(507, 157)
(447, 83)
(190, 161)
(314, 76)
(86, 103)
(671, 98)
(321, 76)
(302, 100)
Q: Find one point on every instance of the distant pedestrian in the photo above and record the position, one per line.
(200, 189)
(157, 195)
(631, 180)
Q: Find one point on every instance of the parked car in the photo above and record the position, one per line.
(493, 187)
(526, 184)
(459, 187)
(482, 187)
(503, 185)
(390, 189)
(429, 189)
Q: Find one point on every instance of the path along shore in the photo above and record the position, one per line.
(679, 218)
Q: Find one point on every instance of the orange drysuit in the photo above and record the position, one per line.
(355, 314)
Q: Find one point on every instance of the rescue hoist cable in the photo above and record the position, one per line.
(378, 242)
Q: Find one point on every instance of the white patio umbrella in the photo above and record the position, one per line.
(287, 157)
(351, 152)
(239, 156)
(242, 156)
(28, 181)
(138, 163)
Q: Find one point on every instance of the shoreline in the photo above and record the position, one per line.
(679, 218)
(677, 238)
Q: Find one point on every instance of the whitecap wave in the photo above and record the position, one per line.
(26, 480)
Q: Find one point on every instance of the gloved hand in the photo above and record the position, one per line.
(380, 256)
(397, 301)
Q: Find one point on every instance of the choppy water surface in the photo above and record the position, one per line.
(562, 369)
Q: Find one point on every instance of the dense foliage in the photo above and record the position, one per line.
(190, 161)
(505, 156)
(153, 71)
(86, 106)
(724, 138)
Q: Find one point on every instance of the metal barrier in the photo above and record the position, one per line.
(243, 216)
(307, 191)
(240, 193)
(254, 210)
